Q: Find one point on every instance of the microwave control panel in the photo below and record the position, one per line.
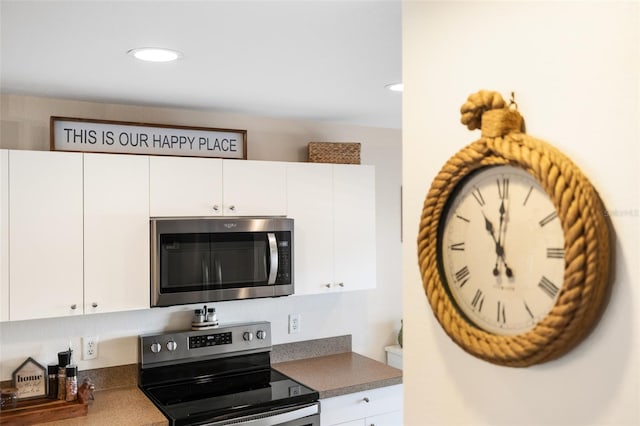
(284, 262)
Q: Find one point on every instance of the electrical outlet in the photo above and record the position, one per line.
(294, 323)
(89, 347)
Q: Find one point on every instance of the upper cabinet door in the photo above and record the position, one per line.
(116, 228)
(354, 226)
(254, 188)
(185, 186)
(310, 205)
(45, 234)
(4, 235)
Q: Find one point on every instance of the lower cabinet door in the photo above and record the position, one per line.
(388, 419)
(380, 406)
(359, 422)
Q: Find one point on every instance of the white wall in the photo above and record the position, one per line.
(372, 317)
(574, 67)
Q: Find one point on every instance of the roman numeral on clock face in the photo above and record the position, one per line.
(478, 300)
(528, 310)
(555, 253)
(548, 287)
(462, 276)
(463, 218)
(478, 196)
(457, 246)
(502, 317)
(503, 188)
(524, 203)
(548, 218)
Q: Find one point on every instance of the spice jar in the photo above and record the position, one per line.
(62, 382)
(71, 390)
(52, 371)
(64, 359)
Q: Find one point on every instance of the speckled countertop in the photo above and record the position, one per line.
(119, 406)
(327, 365)
(340, 374)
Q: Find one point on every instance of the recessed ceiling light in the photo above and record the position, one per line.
(395, 87)
(155, 54)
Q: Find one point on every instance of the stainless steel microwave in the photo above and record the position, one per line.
(195, 260)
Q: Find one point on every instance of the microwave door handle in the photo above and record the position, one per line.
(205, 270)
(273, 251)
(217, 271)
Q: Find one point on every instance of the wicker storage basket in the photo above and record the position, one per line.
(334, 152)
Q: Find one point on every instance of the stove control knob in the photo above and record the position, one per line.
(261, 334)
(247, 336)
(172, 345)
(156, 347)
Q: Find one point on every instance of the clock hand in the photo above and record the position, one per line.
(499, 250)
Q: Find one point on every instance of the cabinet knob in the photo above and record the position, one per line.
(216, 208)
(327, 285)
(365, 399)
(341, 284)
(232, 208)
(74, 306)
(94, 305)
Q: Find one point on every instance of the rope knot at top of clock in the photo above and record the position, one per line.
(487, 110)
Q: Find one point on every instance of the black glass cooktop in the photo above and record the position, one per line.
(221, 398)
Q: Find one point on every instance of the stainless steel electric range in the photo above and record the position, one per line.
(222, 376)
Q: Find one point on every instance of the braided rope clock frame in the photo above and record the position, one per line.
(584, 224)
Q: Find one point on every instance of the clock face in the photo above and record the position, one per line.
(501, 250)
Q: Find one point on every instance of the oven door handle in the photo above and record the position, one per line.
(280, 417)
(273, 255)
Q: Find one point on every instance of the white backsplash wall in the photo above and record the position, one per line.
(372, 317)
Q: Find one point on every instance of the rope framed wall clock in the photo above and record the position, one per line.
(513, 243)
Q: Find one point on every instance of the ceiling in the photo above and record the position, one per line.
(319, 60)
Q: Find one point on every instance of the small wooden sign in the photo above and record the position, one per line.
(84, 135)
(30, 379)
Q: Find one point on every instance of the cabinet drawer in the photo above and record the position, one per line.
(359, 405)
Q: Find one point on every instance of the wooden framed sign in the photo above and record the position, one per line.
(122, 137)
(30, 379)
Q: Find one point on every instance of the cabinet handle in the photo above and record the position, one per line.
(365, 399)
(74, 306)
(94, 305)
(341, 284)
(216, 208)
(232, 208)
(327, 285)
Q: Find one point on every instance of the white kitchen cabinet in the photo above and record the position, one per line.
(379, 407)
(45, 234)
(185, 186)
(116, 232)
(393, 418)
(310, 204)
(254, 188)
(333, 207)
(354, 227)
(4, 235)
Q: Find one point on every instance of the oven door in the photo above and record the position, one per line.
(307, 415)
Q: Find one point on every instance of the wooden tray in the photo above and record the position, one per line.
(42, 410)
